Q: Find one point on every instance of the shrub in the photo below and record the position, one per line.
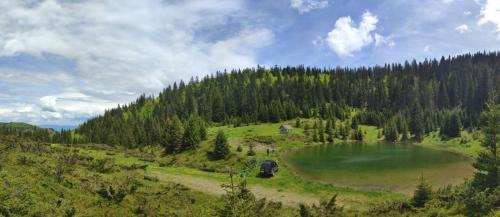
(251, 152)
(105, 165)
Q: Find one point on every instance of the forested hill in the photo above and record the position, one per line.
(414, 97)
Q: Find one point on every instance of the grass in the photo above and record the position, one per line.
(197, 165)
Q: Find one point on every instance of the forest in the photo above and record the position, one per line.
(409, 99)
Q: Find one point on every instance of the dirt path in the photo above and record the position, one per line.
(214, 187)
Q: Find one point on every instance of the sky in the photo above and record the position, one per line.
(65, 61)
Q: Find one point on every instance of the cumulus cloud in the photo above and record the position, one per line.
(383, 40)
(48, 103)
(462, 29)
(304, 6)
(347, 37)
(490, 13)
(120, 49)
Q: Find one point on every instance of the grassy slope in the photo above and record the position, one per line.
(190, 165)
(29, 187)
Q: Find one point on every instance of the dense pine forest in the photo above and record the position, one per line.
(409, 99)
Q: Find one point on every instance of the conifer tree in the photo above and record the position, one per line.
(191, 138)
(422, 194)
(297, 123)
(321, 131)
(391, 132)
(329, 131)
(306, 130)
(221, 147)
(487, 163)
(175, 133)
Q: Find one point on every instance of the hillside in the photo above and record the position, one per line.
(413, 98)
(17, 125)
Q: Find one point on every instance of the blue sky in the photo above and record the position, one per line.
(62, 62)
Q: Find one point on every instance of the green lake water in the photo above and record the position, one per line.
(386, 167)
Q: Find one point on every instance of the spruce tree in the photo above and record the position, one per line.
(306, 130)
(422, 194)
(329, 131)
(452, 126)
(488, 162)
(321, 131)
(191, 138)
(391, 132)
(221, 147)
(297, 123)
(175, 134)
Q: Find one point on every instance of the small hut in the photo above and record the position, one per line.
(284, 129)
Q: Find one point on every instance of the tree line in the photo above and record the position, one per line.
(408, 100)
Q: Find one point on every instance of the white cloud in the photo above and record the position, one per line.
(490, 13)
(427, 48)
(120, 49)
(462, 29)
(347, 38)
(48, 103)
(467, 13)
(382, 40)
(304, 6)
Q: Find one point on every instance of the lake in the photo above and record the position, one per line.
(386, 167)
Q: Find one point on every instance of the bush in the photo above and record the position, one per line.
(251, 152)
(105, 165)
(24, 160)
(239, 148)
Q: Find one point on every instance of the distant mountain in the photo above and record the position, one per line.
(17, 125)
(58, 127)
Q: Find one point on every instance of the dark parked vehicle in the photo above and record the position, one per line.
(268, 168)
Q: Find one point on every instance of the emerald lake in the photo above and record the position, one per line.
(386, 167)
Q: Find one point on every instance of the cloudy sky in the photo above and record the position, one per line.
(63, 61)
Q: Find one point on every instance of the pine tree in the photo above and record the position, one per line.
(422, 194)
(391, 132)
(297, 123)
(488, 162)
(175, 135)
(452, 126)
(321, 131)
(191, 138)
(329, 131)
(417, 122)
(306, 130)
(315, 135)
(221, 147)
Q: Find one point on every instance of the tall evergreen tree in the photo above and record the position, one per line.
(487, 163)
(321, 131)
(175, 133)
(192, 137)
(221, 147)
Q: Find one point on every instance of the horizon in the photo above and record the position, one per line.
(62, 63)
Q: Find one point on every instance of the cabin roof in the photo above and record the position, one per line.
(286, 126)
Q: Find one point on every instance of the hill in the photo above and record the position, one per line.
(409, 99)
(17, 125)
